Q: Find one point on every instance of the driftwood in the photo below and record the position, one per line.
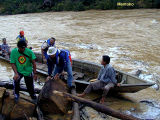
(97, 106)
(10, 86)
(76, 113)
(50, 103)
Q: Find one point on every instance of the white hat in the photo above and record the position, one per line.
(52, 51)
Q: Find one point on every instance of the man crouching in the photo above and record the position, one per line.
(59, 61)
(106, 79)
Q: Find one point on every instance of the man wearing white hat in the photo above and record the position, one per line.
(59, 61)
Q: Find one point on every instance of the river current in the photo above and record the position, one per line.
(130, 37)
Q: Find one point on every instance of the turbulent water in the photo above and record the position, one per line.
(130, 37)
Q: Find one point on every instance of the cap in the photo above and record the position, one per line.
(3, 39)
(52, 51)
(21, 32)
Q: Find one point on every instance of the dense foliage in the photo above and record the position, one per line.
(30, 6)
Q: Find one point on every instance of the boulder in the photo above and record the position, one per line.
(12, 111)
(2, 91)
(51, 103)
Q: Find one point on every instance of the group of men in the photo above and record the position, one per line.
(23, 63)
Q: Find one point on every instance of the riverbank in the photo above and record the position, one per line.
(10, 7)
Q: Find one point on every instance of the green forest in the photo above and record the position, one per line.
(31, 6)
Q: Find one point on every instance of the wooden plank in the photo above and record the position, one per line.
(39, 114)
(76, 113)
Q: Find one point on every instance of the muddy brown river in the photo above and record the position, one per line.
(130, 37)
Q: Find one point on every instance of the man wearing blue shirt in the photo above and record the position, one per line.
(59, 61)
(21, 37)
(46, 44)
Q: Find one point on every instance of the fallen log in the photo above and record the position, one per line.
(50, 103)
(10, 86)
(76, 113)
(97, 106)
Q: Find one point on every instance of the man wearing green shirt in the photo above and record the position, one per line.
(23, 64)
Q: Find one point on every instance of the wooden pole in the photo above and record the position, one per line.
(97, 106)
(39, 114)
(76, 113)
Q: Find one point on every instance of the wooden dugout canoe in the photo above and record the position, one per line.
(84, 71)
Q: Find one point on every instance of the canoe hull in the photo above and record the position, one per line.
(124, 88)
(130, 83)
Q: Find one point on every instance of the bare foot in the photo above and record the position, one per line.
(81, 95)
(102, 101)
(118, 84)
(48, 78)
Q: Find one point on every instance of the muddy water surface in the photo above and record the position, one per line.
(130, 37)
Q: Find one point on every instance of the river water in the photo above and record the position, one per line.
(129, 37)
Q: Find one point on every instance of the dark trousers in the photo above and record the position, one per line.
(29, 84)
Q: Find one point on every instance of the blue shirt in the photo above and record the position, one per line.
(5, 48)
(61, 59)
(107, 74)
(21, 38)
(45, 47)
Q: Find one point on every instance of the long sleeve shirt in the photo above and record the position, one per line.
(5, 48)
(107, 74)
(61, 60)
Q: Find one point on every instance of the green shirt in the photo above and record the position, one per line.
(22, 62)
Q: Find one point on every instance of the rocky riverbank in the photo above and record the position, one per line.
(49, 103)
(10, 110)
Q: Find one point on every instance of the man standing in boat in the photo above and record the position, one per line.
(46, 44)
(23, 64)
(106, 79)
(59, 61)
(21, 37)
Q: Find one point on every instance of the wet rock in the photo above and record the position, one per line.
(32, 118)
(51, 103)
(2, 91)
(132, 109)
(24, 108)
(88, 113)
